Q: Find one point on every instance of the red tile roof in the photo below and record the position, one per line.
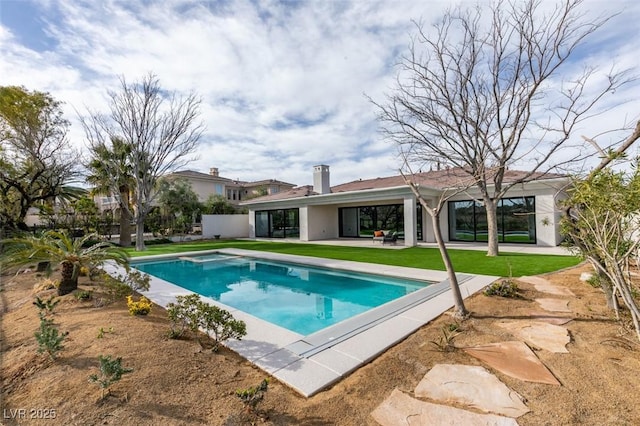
(437, 179)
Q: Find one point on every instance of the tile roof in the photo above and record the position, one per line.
(200, 175)
(436, 179)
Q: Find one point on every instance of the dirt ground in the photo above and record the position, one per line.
(177, 382)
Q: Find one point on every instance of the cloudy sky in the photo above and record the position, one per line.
(284, 84)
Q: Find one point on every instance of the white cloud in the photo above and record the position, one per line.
(283, 83)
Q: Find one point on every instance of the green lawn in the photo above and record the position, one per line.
(470, 261)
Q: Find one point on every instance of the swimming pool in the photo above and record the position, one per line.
(300, 298)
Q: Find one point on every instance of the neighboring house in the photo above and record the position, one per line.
(234, 191)
(527, 214)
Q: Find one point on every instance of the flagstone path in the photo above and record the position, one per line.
(474, 386)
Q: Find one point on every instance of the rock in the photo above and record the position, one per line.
(554, 305)
(400, 409)
(552, 338)
(514, 359)
(472, 386)
(545, 286)
(585, 276)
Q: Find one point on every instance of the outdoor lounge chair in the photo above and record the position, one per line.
(378, 236)
(390, 238)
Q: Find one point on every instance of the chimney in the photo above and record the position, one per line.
(213, 171)
(321, 179)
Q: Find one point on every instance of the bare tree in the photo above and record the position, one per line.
(162, 130)
(456, 183)
(479, 94)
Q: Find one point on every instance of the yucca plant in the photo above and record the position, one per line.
(59, 247)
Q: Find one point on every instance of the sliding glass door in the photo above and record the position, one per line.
(280, 223)
(516, 220)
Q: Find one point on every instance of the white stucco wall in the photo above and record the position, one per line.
(225, 225)
(321, 222)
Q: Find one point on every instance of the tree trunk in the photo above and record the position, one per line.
(68, 279)
(492, 227)
(125, 228)
(125, 218)
(140, 235)
(460, 310)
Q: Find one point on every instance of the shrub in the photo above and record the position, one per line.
(124, 285)
(46, 307)
(183, 315)
(252, 396)
(221, 323)
(83, 294)
(141, 307)
(191, 313)
(49, 338)
(445, 342)
(111, 371)
(84, 271)
(102, 331)
(503, 288)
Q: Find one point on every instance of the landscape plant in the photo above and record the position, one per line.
(59, 247)
(504, 288)
(139, 307)
(252, 396)
(602, 223)
(111, 371)
(191, 313)
(48, 336)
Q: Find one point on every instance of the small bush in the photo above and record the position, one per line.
(84, 271)
(82, 295)
(503, 288)
(191, 313)
(445, 342)
(183, 315)
(102, 331)
(221, 323)
(141, 307)
(252, 396)
(111, 371)
(595, 281)
(46, 307)
(49, 338)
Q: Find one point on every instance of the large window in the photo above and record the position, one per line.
(363, 221)
(282, 223)
(516, 220)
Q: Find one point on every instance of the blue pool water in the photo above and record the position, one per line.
(300, 298)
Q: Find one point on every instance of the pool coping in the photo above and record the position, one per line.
(309, 364)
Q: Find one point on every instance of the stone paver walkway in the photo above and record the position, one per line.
(477, 388)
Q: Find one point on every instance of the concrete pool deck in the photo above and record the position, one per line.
(311, 363)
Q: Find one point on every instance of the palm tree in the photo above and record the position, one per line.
(110, 169)
(58, 247)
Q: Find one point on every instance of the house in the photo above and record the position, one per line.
(234, 191)
(527, 213)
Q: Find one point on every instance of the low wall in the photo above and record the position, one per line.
(225, 225)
